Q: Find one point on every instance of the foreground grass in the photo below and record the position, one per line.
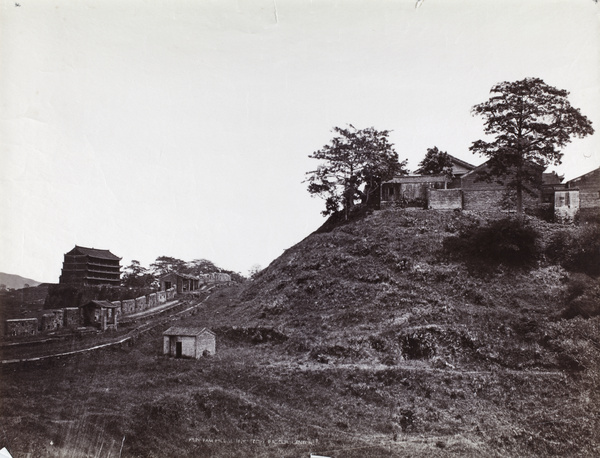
(254, 400)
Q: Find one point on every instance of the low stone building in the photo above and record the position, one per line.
(181, 342)
(181, 282)
(21, 327)
(100, 314)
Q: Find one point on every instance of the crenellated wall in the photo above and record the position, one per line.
(53, 320)
(140, 304)
(151, 301)
(128, 307)
(215, 277)
(71, 317)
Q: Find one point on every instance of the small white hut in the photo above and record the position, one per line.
(183, 342)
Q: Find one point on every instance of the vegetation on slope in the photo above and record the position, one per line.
(370, 339)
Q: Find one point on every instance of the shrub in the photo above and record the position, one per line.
(576, 250)
(506, 241)
(583, 299)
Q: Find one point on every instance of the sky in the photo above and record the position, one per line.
(156, 128)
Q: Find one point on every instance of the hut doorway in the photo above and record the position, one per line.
(178, 350)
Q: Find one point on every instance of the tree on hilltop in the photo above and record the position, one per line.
(435, 162)
(355, 163)
(136, 276)
(201, 266)
(531, 122)
(165, 264)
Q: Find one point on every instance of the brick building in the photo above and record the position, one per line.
(468, 190)
(414, 190)
(589, 190)
(479, 194)
(181, 282)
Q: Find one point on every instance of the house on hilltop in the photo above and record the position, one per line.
(181, 282)
(468, 189)
(89, 266)
(588, 186)
(479, 194)
(413, 190)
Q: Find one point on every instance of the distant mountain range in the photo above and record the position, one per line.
(16, 281)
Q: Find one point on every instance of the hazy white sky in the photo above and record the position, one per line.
(152, 127)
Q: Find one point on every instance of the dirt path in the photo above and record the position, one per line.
(407, 365)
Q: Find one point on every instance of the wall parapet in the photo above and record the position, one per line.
(70, 317)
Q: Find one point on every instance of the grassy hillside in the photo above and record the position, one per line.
(367, 340)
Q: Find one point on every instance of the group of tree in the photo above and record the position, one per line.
(529, 120)
(137, 276)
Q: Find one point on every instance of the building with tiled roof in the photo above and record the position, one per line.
(90, 266)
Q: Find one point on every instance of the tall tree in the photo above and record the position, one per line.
(137, 276)
(165, 264)
(531, 122)
(355, 163)
(435, 162)
(201, 266)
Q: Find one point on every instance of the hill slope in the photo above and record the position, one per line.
(16, 281)
(366, 340)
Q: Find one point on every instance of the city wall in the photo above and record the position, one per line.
(53, 320)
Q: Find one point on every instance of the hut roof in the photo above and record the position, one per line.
(178, 274)
(100, 304)
(182, 331)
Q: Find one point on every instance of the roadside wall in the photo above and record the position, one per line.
(21, 327)
(71, 317)
(128, 306)
(140, 304)
(151, 301)
(53, 320)
(215, 277)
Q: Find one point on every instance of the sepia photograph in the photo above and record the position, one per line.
(299, 228)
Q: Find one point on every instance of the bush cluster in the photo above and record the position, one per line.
(505, 241)
(578, 251)
(582, 298)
